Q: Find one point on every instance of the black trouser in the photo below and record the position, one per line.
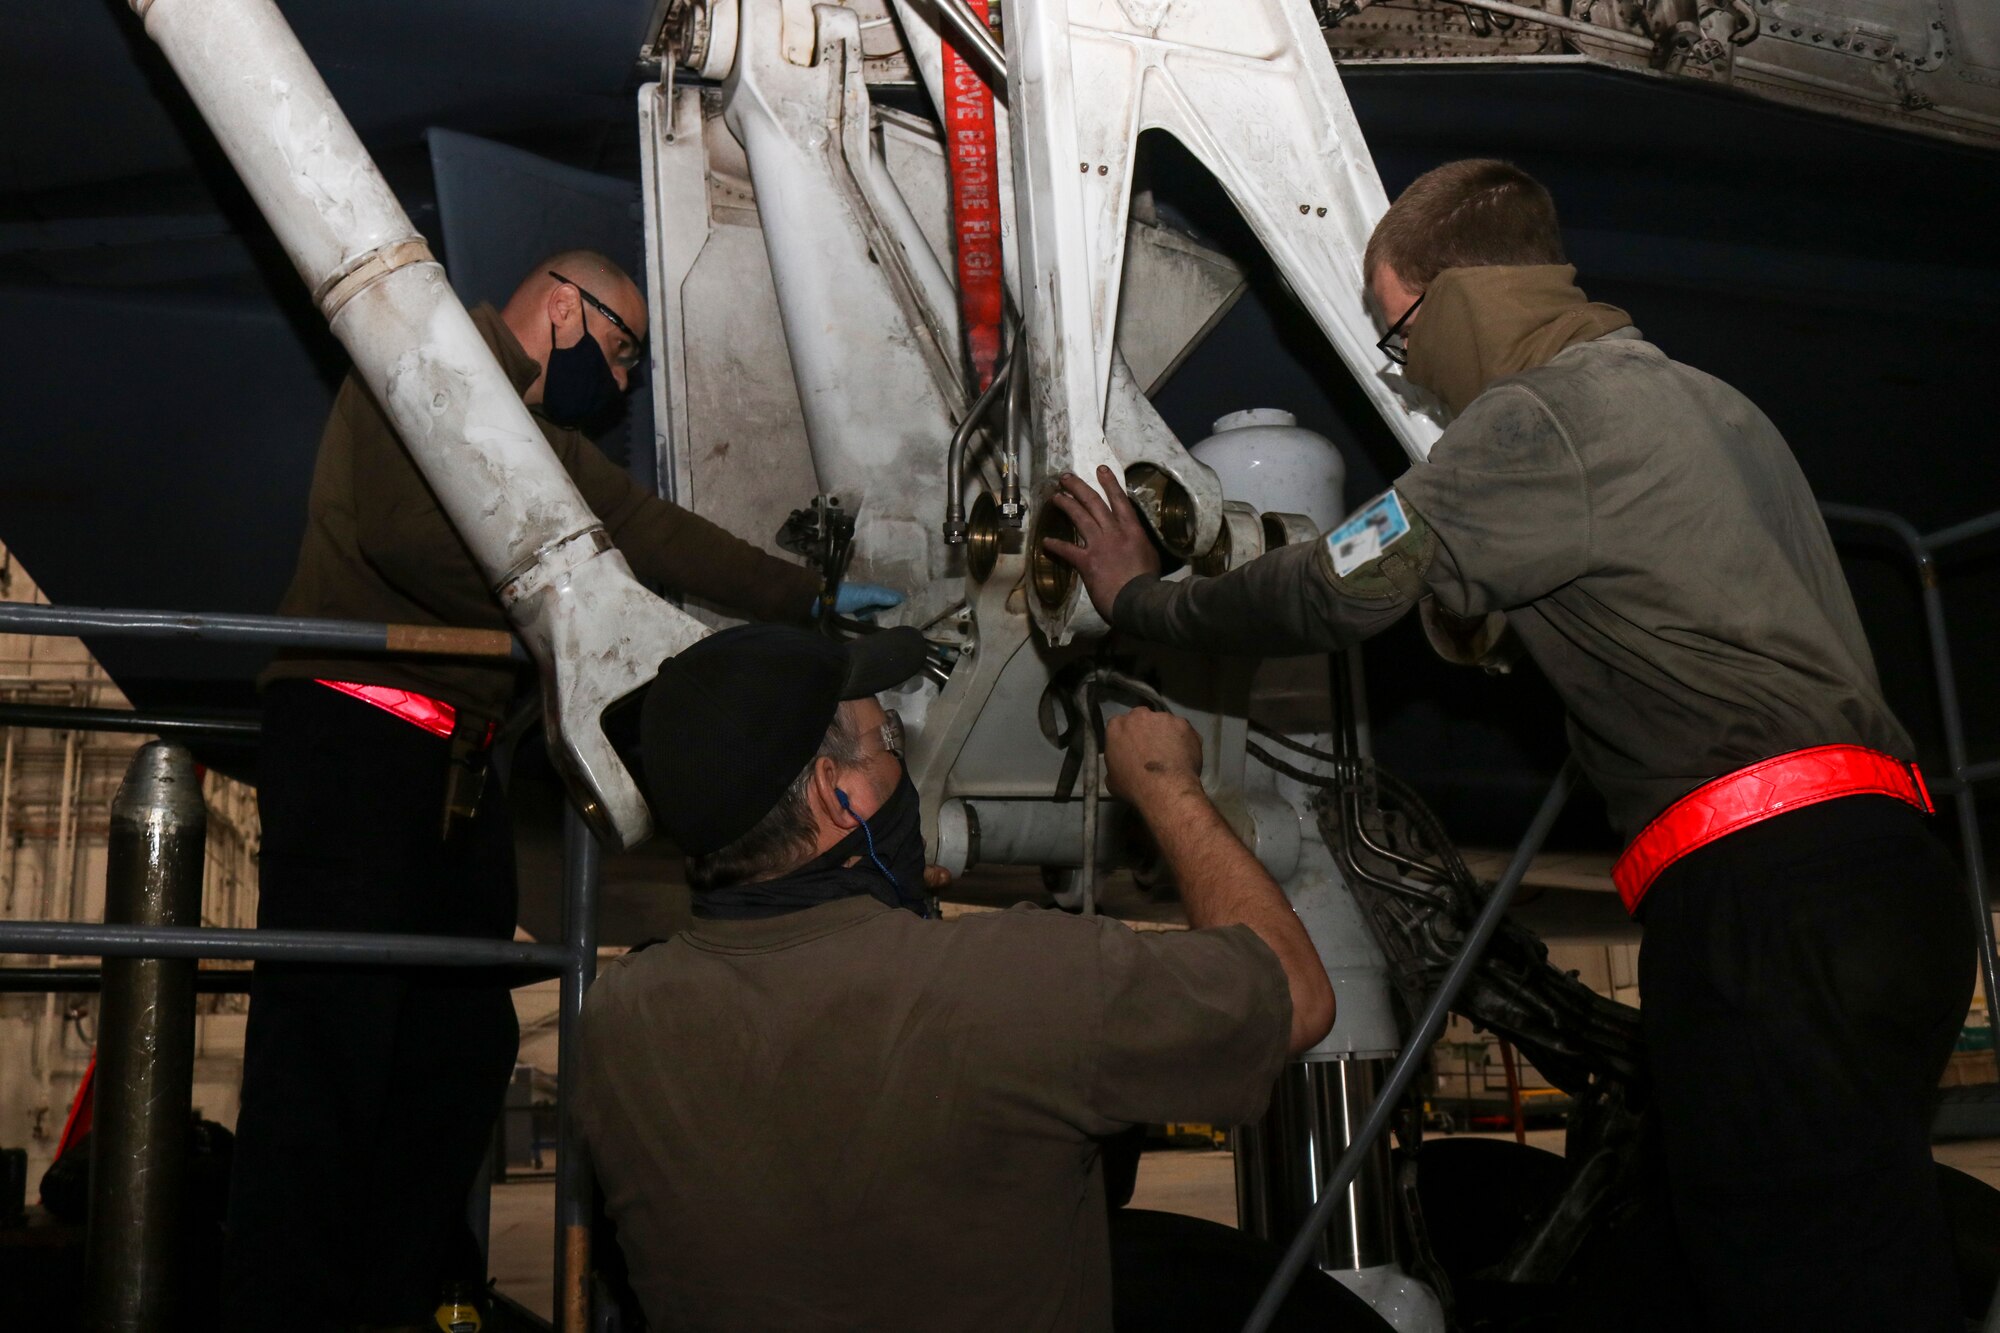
(1802, 982)
(369, 1095)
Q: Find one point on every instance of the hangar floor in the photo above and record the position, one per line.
(1199, 1184)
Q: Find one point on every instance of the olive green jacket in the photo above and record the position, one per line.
(1646, 532)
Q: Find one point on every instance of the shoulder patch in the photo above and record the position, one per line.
(1382, 549)
(1367, 533)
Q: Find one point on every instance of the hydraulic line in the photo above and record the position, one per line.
(1011, 509)
(1334, 1191)
(1397, 887)
(1353, 774)
(1086, 696)
(1086, 712)
(1085, 706)
(954, 467)
(974, 41)
(1347, 732)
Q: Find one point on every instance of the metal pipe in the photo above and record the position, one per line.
(53, 717)
(1012, 512)
(1964, 798)
(6, 817)
(145, 1051)
(1958, 532)
(593, 631)
(1895, 524)
(1343, 691)
(271, 631)
(1610, 36)
(1086, 717)
(1315, 1110)
(88, 980)
(287, 946)
(954, 465)
(581, 860)
(61, 881)
(1414, 1053)
(1513, 1090)
(1966, 801)
(1084, 706)
(1969, 774)
(1856, 93)
(1017, 832)
(975, 43)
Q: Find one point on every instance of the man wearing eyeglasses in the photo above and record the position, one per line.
(824, 1107)
(369, 1098)
(1647, 536)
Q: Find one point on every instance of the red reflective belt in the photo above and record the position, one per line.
(975, 199)
(1772, 787)
(436, 716)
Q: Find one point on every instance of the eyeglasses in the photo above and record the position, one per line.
(892, 732)
(1395, 344)
(628, 356)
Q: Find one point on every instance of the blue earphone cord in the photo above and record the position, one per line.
(922, 908)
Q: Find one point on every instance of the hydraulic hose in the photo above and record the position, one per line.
(1334, 1191)
(1011, 511)
(1085, 703)
(954, 466)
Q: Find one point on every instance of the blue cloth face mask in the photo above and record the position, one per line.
(578, 384)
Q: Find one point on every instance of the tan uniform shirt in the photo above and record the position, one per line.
(1649, 536)
(853, 1118)
(378, 547)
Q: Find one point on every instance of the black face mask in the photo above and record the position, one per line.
(577, 384)
(888, 854)
(892, 841)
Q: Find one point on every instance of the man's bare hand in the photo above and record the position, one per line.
(1112, 547)
(1149, 755)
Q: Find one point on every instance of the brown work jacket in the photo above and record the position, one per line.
(377, 547)
(851, 1118)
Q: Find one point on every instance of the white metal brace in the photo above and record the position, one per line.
(594, 632)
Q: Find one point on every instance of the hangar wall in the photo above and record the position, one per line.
(56, 789)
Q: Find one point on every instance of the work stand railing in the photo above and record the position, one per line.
(143, 887)
(1962, 780)
(150, 945)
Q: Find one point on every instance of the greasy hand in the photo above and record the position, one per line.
(1112, 547)
(936, 877)
(1149, 755)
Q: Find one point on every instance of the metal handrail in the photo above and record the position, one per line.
(271, 631)
(85, 980)
(167, 726)
(574, 960)
(353, 948)
(1965, 776)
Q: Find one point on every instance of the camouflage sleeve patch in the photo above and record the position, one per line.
(1380, 550)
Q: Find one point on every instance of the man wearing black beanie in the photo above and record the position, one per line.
(825, 1107)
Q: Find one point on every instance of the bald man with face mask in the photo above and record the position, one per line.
(1643, 533)
(369, 1098)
